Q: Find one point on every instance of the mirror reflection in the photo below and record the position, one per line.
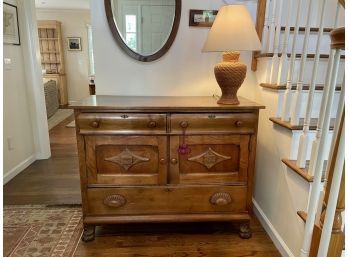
(144, 25)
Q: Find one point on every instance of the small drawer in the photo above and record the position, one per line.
(166, 199)
(214, 122)
(120, 123)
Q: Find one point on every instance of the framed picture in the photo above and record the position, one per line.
(10, 25)
(74, 44)
(202, 18)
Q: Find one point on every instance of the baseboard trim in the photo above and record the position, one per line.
(18, 169)
(271, 231)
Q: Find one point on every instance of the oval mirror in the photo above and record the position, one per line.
(144, 29)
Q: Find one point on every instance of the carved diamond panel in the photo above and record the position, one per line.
(209, 158)
(127, 159)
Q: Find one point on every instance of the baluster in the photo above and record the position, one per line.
(271, 35)
(331, 213)
(298, 96)
(304, 139)
(314, 151)
(288, 93)
(275, 59)
(265, 33)
(272, 26)
(283, 63)
(318, 165)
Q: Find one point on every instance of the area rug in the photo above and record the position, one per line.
(47, 231)
(71, 124)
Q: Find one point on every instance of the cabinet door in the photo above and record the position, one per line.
(220, 159)
(126, 160)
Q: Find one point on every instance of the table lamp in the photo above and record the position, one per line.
(233, 30)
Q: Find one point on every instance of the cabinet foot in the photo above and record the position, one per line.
(88, 233)
(245, 231)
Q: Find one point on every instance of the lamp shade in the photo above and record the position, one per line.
(233, 30)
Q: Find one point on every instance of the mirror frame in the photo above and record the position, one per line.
(130, 52)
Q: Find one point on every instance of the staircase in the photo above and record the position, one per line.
(301, 76)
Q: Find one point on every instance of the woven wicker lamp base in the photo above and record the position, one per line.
(230, 75)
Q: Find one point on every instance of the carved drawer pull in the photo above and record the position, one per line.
(184, 124)
(152, 124)
(115, 201)
(238, 123)
(174, 161)
(124, 116)
(95, 124)
(162, 161)
(220, 199)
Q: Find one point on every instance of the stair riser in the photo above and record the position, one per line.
(316, 104)
(312, 44)
(265, 64)
(296, 140)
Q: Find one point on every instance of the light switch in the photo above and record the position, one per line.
(8, 63)
(10, 144)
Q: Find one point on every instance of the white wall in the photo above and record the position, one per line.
(17, 117)
(184, 70)
(76, 62)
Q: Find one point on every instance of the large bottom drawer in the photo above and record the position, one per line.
(166, 200)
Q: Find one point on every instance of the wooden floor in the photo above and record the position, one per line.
(56, 181)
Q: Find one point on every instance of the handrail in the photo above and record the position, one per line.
(260, 22)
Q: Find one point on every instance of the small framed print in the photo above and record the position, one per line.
(10, 25)
(202, 18)
(74, 44)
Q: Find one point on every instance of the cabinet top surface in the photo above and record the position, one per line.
(186, 103)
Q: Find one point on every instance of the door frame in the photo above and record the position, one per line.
(35, 90)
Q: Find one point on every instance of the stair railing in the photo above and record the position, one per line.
(288, 93)
(304, 139)
(337, 45)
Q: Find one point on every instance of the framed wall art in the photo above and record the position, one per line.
(74, 44)
(202, 18)
(10, 24)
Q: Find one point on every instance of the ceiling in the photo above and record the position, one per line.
(62, 4)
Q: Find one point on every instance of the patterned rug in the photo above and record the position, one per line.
(41, 231)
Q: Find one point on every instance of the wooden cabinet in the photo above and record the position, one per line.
(165, 159)
(52, 56)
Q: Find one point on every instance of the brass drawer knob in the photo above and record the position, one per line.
(152, 124)
(95, 124)
(220, 199)
(238, 123)
(184, 124)
(174, 161)
(115, 201)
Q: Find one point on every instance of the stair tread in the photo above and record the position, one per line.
(302, 172)
(302, 215)
(318, 87)
(313, 29)
(309, 56)
(288, 125)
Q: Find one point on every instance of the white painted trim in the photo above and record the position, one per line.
(271, 231)
(18, 169)
(33, 73)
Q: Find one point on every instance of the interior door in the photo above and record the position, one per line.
(126, 160)
(156, 26)
(220, 159)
